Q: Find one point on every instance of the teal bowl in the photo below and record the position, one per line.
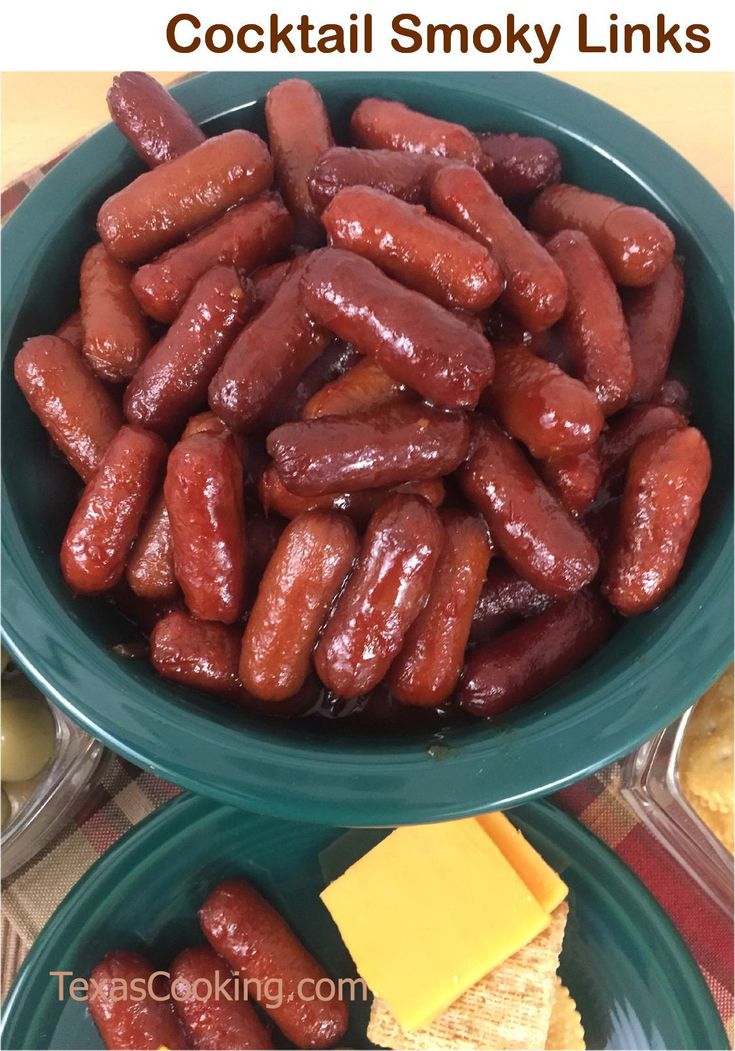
(630, 973)
(652, 669)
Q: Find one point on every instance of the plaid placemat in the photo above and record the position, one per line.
(126, 794)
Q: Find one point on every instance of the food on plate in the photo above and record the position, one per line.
(318, 343)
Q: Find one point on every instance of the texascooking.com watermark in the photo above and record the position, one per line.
(271, 993)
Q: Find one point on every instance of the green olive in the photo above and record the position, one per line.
(6, 809)
(28, 730)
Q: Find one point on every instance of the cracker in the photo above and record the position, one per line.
(720, 823)
(509, 1008)
(566, 1032)
(706, 758)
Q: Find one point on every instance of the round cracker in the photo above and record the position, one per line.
(566, 1032)
(706, 757)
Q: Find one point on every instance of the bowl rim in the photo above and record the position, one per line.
(346, 785)
(188, 815)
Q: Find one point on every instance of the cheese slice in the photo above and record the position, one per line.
(544, 883)
(428, 912)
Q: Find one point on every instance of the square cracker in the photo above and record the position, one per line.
(510, 1008)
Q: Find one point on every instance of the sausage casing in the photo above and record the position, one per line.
(415, 340)
(268, 357)
(594, 324)
(535, 289)
(162, 206)
(106, 520)
(634, 243)
(379, 124)
(116, 338)
(415, 248)
(529, 658)
(298, 133)
(541, 406)
(259, 945)
(173, 380)
(138, 1020)
(71, 403)
(667, 477)
(149, 117)
(204, 497)
(337, 454)
(527, 523)
(427, 669)
(314, 555)
(246, 237)
(382, 598)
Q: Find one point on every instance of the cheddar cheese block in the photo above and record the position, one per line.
(545, 885)
(430, 911)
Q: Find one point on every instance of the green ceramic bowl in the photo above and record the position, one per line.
(632, 977)
(650, 671)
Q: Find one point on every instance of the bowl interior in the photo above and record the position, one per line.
(651, 670)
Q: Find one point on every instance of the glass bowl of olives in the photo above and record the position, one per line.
(47, 765)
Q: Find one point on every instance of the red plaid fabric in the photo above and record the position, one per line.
(127, 795)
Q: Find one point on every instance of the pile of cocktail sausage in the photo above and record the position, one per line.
(389, 414)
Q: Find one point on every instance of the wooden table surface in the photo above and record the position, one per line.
(44, 112)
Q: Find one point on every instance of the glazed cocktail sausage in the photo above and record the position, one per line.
(535, 289)
(204, 496)
(415, 340)
(594, 324)
(214, 1012)
(541, 406)
(527, 523)
(634, 243)
(521, 164)
(72, 404)
(259, 945)
(173, 380)
(529, 658)
(422, 252)
(152, 121)
(71, 330)
(246, 237)
(309, 566)
(360, 505)
(268, 357)
(150, 569)
(386, 447)
(162, 206)
(298, 133)
(106, 520)
(379, 124)
(382, 598)
(332, 363)
(197, 653)
(116, 338)
(141, 1019)
(505, 597)
(653, 316)
(624, 434)
(427, 669)
(574, 477)
(667, 477)
(363, 388)
(405, 175)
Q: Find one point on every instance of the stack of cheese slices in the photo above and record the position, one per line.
(457, 928)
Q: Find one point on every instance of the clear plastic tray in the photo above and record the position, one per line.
(59, 793)
(651, 787)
